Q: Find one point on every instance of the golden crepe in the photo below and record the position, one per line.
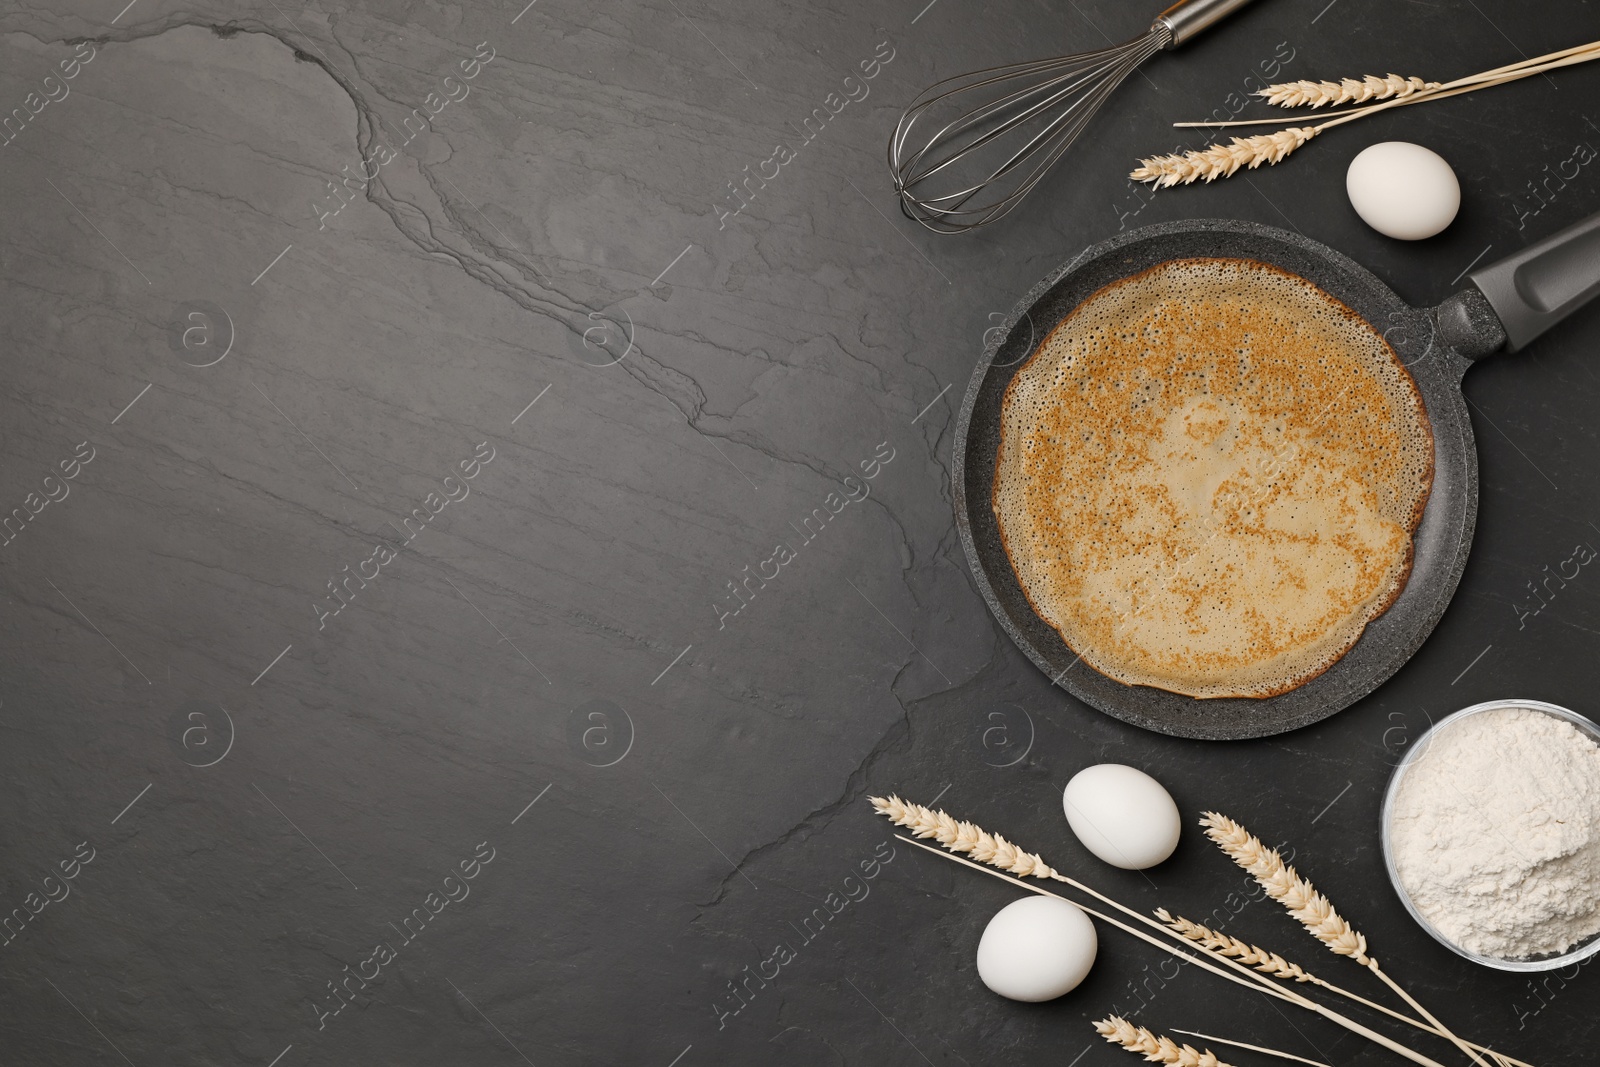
(1208, 478)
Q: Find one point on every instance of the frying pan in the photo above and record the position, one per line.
(1509, 304)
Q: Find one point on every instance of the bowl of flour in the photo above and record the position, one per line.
(1491, 833)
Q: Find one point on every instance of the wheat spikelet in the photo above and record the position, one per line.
(1315, 911)
(1345, 91)
(1259, 958)
(964, 837)
(1221, 161)
(1275, 965)
(1153, 1048)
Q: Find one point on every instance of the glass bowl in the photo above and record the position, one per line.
(1577, 953)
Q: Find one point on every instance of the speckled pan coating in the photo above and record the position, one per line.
(1443, 538)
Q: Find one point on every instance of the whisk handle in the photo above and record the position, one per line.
(1188, 17)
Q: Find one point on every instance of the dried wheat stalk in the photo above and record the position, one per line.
(1394, 88)
(1155, 1049)
(1275, 965)
(1252, 1048)
(1346, 91)
(965, 837)
(1221, 161)
(1314, 911)
(1251, 956)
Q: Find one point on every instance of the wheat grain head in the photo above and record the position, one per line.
(1222, 161)
(1345, 91)
(964, 837)
(1152, 1047)
(1250, 955)
(1314, 911)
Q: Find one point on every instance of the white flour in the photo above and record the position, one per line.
(1496, 833)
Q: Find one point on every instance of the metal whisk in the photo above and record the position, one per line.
(998, 131)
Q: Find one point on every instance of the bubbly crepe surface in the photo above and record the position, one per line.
(1208, 478)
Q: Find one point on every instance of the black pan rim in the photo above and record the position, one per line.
(1443, 538)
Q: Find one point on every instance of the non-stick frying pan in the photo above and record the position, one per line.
(1509, 304)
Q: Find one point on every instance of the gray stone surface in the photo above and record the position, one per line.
(553, 635)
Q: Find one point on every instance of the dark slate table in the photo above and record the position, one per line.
(417, 429)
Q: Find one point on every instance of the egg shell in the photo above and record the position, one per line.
(1403, 190)
(1036, 949)
(1122, 815)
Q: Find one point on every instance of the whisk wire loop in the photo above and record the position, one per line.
(996, 132)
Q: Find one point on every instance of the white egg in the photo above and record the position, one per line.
(1036, 949)
(1122, 815)
(1403, 190)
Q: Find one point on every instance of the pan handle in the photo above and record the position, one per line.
(1528, 291)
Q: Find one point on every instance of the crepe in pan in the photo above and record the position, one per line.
(1209, 476)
